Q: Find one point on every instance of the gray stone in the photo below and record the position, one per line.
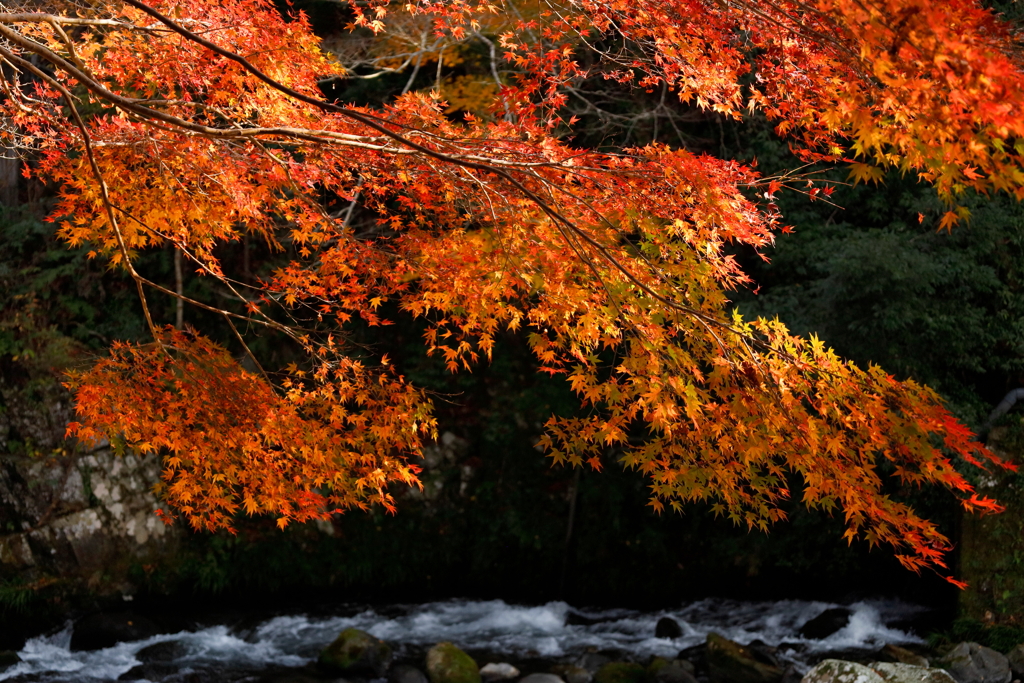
(730, 662)
(356, 652)
(897, 672)
(403, 673)
(448, 664)
(974, 663)
(901, 654)
(542, 678)
(838, 671)
(500, 671)
(1016, 659)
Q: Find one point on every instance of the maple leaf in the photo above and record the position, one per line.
(493, 222)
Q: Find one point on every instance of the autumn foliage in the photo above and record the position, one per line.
(199, 123)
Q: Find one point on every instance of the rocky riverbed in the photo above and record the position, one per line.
(710, 641)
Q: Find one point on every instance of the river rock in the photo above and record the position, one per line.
(661, 670)
(99, 631)
(571, 673)
(730, 662)
(542, 678)
(356, 652)
(668, 628)
(620, 672)
(903, 655)
(502, 671)
(8, 659)
(448, 664)
(974, 663)
(1016, 659)
(897, 672)
(592, 661)
(826, 623)
(838, 671)
(167, 651)
(404, 673)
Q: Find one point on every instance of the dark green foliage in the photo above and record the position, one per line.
(1000, 638)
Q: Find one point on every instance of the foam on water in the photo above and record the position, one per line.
(493, 626)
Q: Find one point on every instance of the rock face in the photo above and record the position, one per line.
(826, 623)
(81, 517)
(356, 652)
(730, 662)
(974, 663)
(838, 671)
(620, 672)
(667, 628)
(448, 664)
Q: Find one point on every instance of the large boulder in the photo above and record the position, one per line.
(356, 652)
(730, 662)
(826, 623)
(897, 672)
(974, 663)
(620, 672)
(448, 664)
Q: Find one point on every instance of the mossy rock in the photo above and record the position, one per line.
(730, 662)
(356, 652)
(838, 671)
(620, 672)
(448, 664)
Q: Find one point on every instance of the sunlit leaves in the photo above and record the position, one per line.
(616, 268)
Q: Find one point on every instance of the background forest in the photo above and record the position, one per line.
(868, 272)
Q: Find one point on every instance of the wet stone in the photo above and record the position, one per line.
(167, 651)
(826, 623)
(405, 673)
(668, 627)
(500, 671)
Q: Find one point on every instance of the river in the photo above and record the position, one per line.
(490, 630)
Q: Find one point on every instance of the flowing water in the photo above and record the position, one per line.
(491, 630)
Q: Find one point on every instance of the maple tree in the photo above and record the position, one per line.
(200, 123)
